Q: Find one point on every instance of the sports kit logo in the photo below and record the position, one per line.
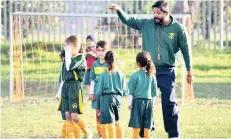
(171, 35)
(74, 106)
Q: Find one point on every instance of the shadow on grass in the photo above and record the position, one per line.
(5, 88)
(212, 90)
(211, 67)
(212, 76)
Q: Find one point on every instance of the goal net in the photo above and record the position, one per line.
(36, 40)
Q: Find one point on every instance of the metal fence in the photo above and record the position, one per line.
(211, 20)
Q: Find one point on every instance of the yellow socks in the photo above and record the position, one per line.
(104, 131)
(146, 133)
(83, 127)
(63, 131)
(68, 129)
(111, 131)
(76, 130)
(136, 132)
(119, 131)
(99, 129)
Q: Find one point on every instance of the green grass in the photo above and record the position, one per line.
(212, 65)
(204, 118)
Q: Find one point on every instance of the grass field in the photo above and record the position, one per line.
(209, 116)
(204, 118)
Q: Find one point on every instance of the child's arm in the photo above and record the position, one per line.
(154, 101)
(91, 93)
(130, 98)
(58, 94)
(60, 76)
(131, 88)
(126, 92)
(73, 64)
(125, 88)
(154, 89)
(67, 57)
(78, 63)
(92, 86)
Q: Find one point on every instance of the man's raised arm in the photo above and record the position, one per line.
(130, 21)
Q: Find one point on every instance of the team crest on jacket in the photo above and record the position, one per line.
(171, 35)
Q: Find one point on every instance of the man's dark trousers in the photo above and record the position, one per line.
(166, 82)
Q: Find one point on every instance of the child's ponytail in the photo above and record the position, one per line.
(110, 60)
(150, 68)
(144, 60)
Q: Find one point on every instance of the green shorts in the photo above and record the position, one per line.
(96, 104)
(141, 113)
(110, 108)
(72, 97)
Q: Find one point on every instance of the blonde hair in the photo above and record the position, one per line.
(73, 41)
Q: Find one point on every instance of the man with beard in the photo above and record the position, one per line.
(162, 37)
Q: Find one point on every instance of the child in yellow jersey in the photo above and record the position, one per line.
(71, 100)
(98, 67)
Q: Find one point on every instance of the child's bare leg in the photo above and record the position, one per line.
(98, 122)
(98, 115)
(68, 116)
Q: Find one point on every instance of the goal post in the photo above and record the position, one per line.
(187, 89)
(36, 40)
(16, 62)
